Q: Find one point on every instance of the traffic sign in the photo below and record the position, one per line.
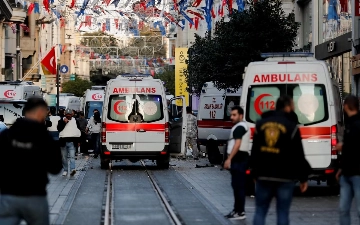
(72, 77)
(64, 69)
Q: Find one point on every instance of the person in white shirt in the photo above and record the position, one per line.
(94, 129)
(69, 129)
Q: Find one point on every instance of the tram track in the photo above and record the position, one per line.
(108, 209)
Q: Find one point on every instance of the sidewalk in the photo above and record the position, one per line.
(316, 207)
(62, 190)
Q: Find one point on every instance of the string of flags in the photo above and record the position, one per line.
(131, 15)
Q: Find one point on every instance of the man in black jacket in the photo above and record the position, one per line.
(349, 172)
(28, 154)
(277, 161)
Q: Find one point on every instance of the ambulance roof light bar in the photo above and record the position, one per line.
(287, 54)
(98, 87)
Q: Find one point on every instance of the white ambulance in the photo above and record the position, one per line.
(136, 122)
(93, 99)
(214, 122)
(13, 96)
(317, 102)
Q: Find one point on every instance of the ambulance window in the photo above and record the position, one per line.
(151, 107)
(262, 98)
(310, 102)
(120, 107)
(230, 101)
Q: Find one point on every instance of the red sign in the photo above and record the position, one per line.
(260, 105)
(131, 90)
(120, 107)
(9, 94)
(357, 8)
(97, 96)
(305, 77)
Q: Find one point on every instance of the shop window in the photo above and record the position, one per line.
(25, 28)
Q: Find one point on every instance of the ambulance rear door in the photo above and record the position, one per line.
(150, 131)
(178, 126)
(120, 133)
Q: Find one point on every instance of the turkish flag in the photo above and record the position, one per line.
(49, 62)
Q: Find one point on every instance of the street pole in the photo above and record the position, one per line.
(354, 42)
(18, 50)
(58, 86)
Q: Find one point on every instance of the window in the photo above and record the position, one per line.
(122, 107)
(309, 99)
(91, 106)
(230, 101)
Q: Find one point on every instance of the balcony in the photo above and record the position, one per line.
(18, 13)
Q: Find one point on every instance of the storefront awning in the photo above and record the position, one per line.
(5, 10)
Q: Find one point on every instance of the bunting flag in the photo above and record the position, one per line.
(46, 5)
(107, 24)
(48, 63)
(36, 8)
(73, 2)
(31, 8)
(62, 22)
(88, 21)
(116, 23)
(115, 2)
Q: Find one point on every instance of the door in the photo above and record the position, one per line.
(177, 125)
(150, 128)
(120, 131)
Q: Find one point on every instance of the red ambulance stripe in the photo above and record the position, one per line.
(134, 127)
(309, 132)
(215, 124)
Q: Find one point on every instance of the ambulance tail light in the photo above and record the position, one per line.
(334, 141)
(103, 132)
(166, 132)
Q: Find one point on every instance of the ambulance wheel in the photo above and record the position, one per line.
(104, 163)
(163, 162)
(213, 153)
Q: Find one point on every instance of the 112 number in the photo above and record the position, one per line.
(267, 105)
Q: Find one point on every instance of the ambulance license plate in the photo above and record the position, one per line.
(121, 146)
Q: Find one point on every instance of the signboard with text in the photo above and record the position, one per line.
(181, 56)
(357, 7)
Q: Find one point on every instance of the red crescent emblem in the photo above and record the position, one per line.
(96, 96)
(9, 93)
(257, 102)
(118, 109)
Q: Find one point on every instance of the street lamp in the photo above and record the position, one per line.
(18, 63)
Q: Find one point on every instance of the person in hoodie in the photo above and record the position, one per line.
(349, 171)
(69, 129)
(277, 161)
(24, 168)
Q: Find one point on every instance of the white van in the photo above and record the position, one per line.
(93, 99)
(214, 120)
(67, 101)
(136, 123)
(317, 102)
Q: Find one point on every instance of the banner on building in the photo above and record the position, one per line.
(357, 7)
(181, 56)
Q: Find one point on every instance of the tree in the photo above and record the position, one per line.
(168, 77)
(76, 87)
(222, 58)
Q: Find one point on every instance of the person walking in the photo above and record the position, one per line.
(23, 181)
(69, 129)
(277, 161)
(349, 169)
(83, 124)
(191, 133)
(94, 129)
(54, 119)
(237, 161)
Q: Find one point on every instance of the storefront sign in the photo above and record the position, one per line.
(357, 7)
(331, 46)
(355, 62)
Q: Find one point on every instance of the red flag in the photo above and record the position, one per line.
(63, 48)
(107, 2)
(196, 23)
(88, 21)
(62, 22)
(72, 4)
(49, 62)
(31, 8)
(103, 27)
(116, 23)
(46, 5)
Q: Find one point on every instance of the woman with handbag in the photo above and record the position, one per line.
(93, 129)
